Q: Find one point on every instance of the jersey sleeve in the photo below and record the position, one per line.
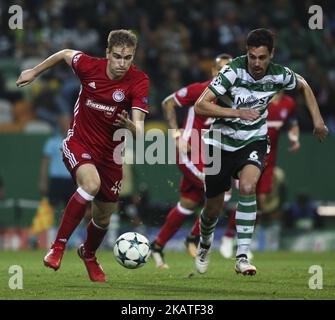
(81, 64)
(140, 96)
(187, 96)
(290, 79)
(223, 81)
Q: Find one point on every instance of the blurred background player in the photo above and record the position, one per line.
(281, 112)
(110, 88)
(192, 180)
(55, 181)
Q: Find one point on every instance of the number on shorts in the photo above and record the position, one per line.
(253, 155)
(117, 187)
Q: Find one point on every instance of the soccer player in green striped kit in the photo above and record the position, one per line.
(236, 143)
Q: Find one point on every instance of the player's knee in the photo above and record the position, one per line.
(247, 188)
(213, 210)
(91, 186)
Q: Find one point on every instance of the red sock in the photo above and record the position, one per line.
(73, 214)
(95, 236)
(172, 223)
(230, 232)
(196, 228)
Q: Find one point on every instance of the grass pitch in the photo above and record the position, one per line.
(280, 275)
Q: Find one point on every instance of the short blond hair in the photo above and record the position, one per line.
(122, 38)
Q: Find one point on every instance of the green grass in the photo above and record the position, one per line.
(281, 275)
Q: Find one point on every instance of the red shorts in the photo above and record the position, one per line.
(264, 184)
(190, 191)
(75, 155)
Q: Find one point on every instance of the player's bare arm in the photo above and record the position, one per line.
(293, 136)
(169, 105)
(136, 125)
(320, 129)
(29, 75)
(205, 107)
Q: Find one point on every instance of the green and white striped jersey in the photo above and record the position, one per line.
(235, 88)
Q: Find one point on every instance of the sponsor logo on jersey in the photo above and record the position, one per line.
(92, 85)
(251, 101)
(118, 95)
(109, 110)
(86, 156)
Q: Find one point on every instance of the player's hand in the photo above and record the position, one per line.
(122, 120)
(320, 131)
(182, 145)
(248, 114)
(295, 146)
(26, 77)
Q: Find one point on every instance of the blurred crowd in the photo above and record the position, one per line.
(177, 41)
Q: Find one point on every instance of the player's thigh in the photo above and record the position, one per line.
(249, 176)
(220, 182)
(87, 176)
(249, 162)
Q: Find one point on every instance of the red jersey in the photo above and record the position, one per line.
(100, 100)
(279, 113)
(186, 97)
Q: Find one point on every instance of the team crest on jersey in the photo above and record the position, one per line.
(118, 95)
(268, 86)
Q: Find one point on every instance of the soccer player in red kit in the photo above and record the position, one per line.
(111, 88)
(192, 181)
(281, 111)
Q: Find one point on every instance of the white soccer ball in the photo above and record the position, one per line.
(132, 250)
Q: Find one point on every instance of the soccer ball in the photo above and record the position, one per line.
(132, 250)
